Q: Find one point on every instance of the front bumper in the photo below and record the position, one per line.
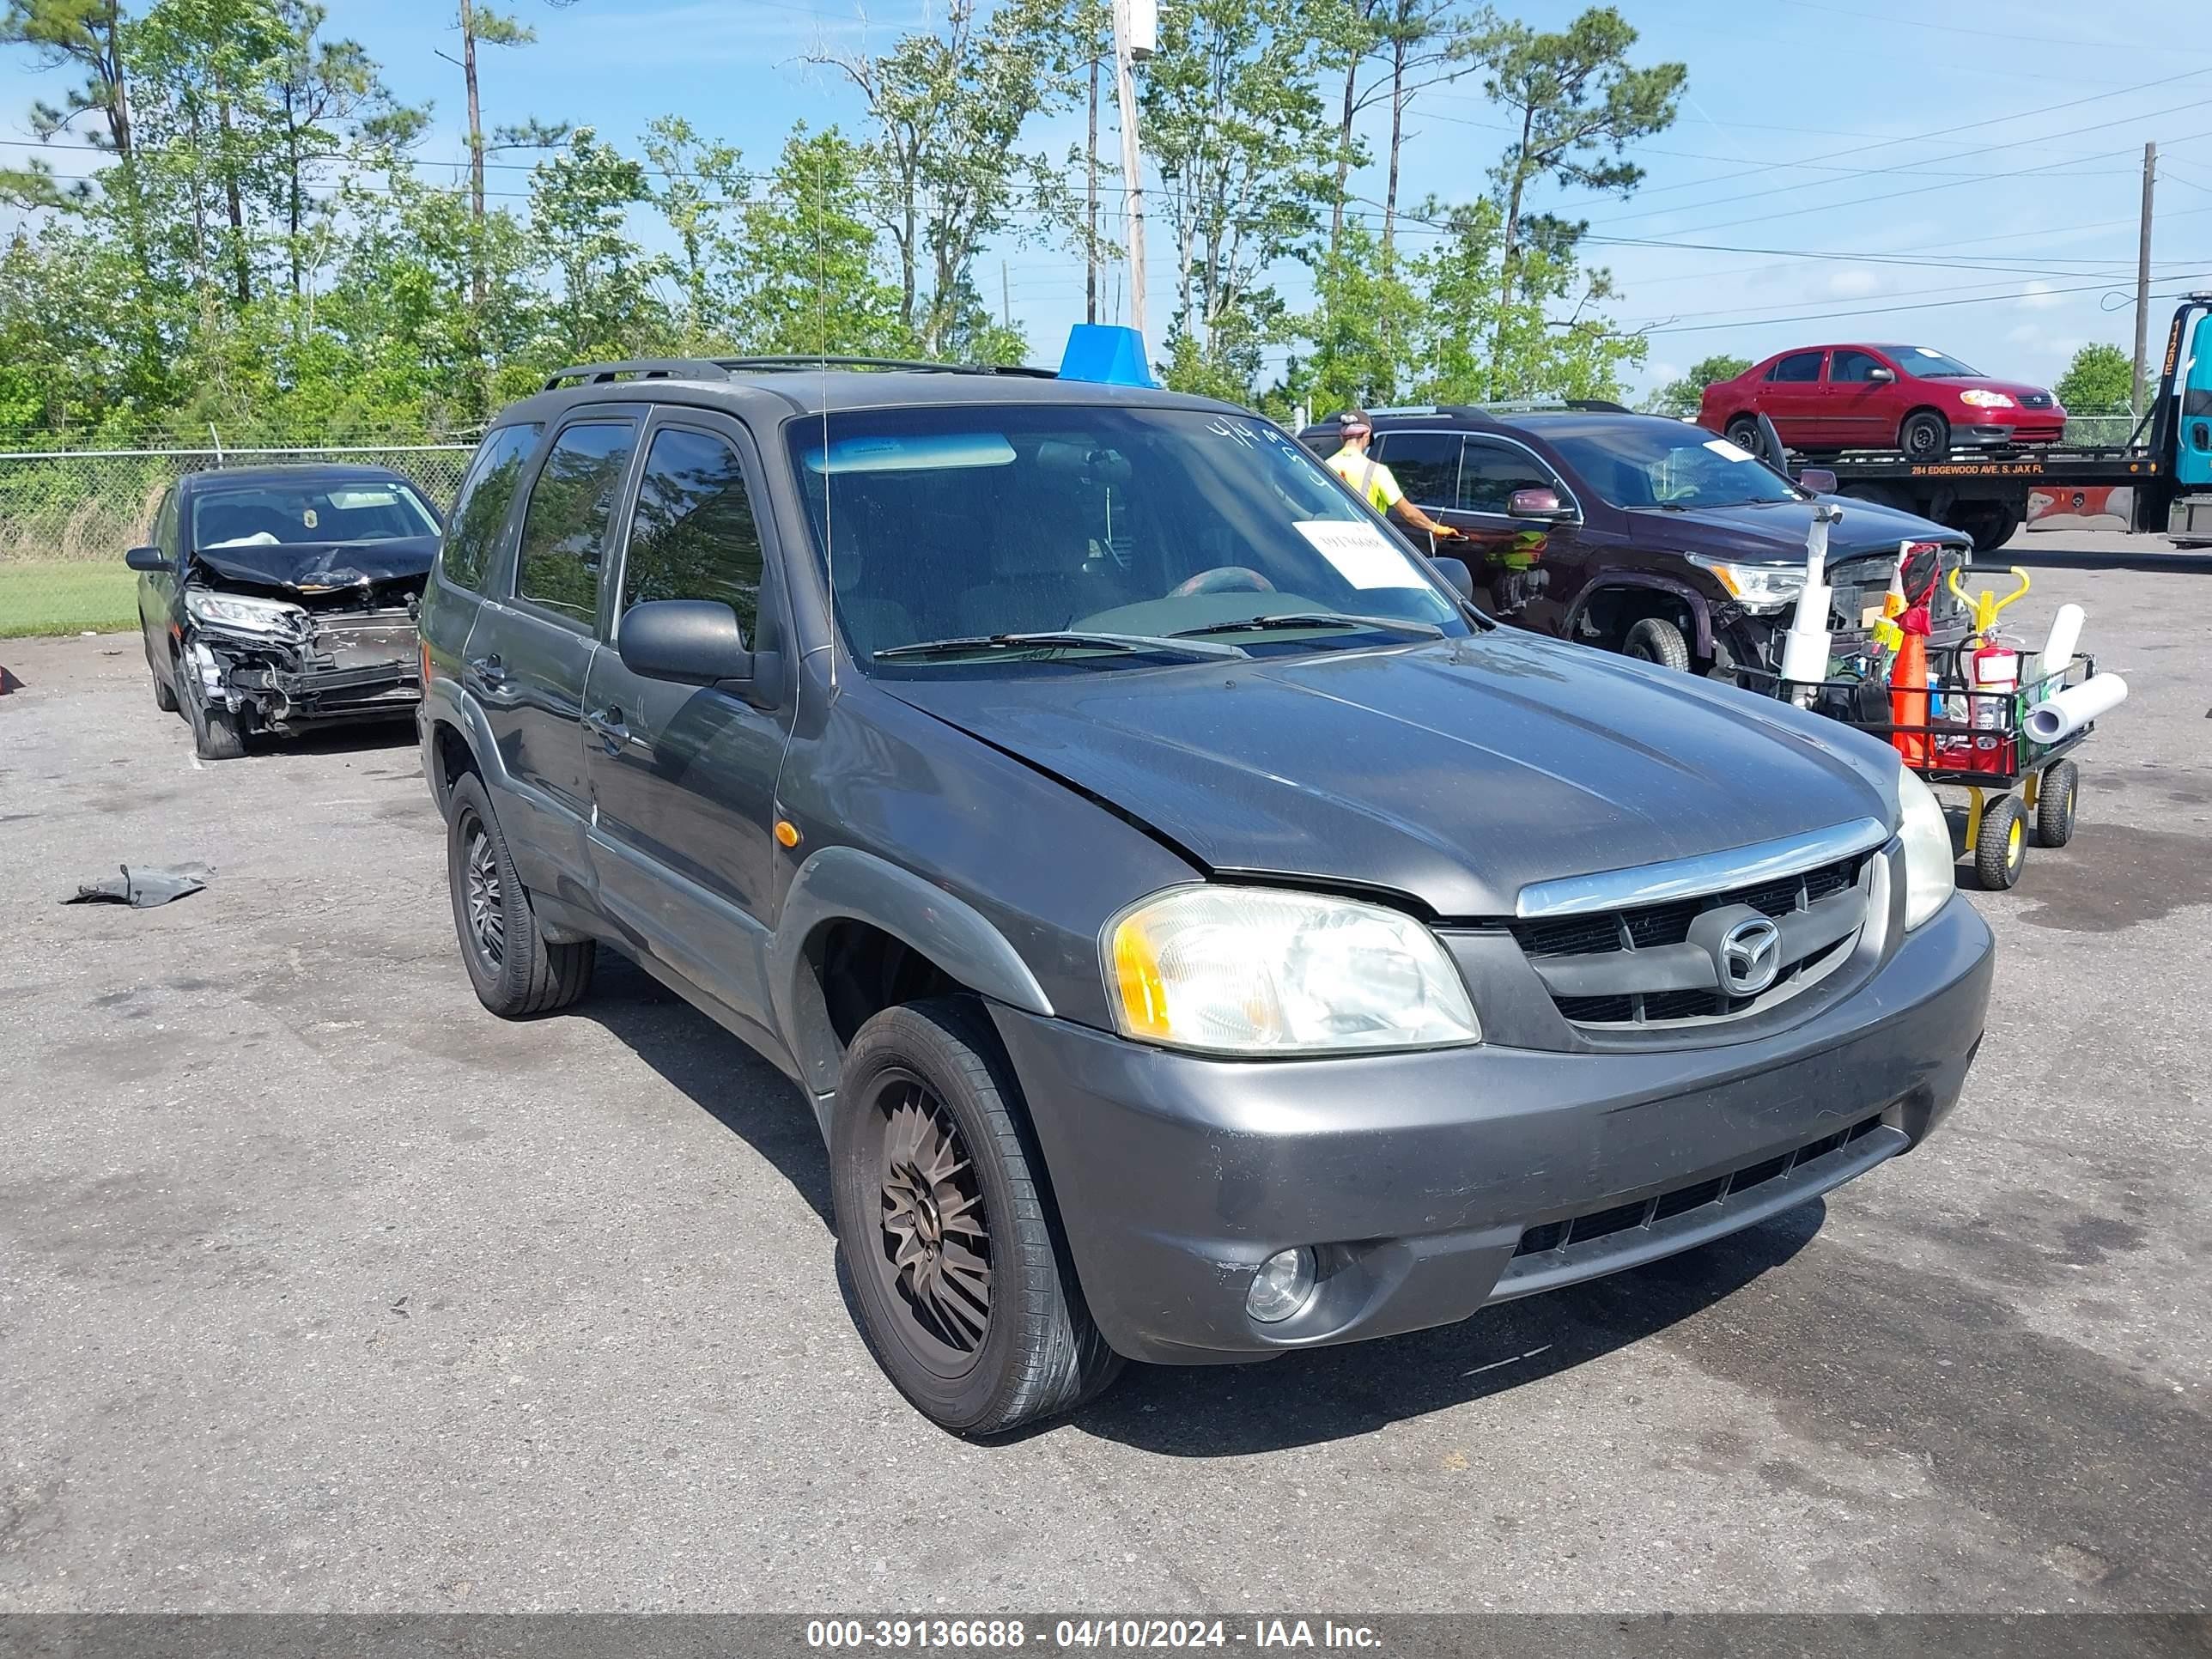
(1418, 1177)
(2026, 432)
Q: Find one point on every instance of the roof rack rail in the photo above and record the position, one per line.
(1600, 405)
(795, 361)
(637, 368)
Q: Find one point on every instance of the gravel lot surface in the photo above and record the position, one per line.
(322, 1289)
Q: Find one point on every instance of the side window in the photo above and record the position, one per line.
(1489, 473)
(165, 525)
(1797, 368)
(1853, 367)
(565, 526)
(481, 507)
(1424, 464)
(692, 536)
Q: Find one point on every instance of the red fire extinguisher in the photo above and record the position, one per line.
(1992, 667)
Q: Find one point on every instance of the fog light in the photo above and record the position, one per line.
(1282, 1286)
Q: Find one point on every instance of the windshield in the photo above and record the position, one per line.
(1661, 464)
(282, 514)
(1931, 365)
(1127, 535)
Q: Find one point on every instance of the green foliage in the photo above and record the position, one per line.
(1682, 395)
(2101, 380)
(257, 254)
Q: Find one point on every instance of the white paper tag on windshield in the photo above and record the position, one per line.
(1362, 554)
(1727, 451)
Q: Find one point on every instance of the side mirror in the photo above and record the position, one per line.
(1880, 376)
(1817, 479)
(146, 559)
(1536, 504)
(1456, 576)
(690, 641)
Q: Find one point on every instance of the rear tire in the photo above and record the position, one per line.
(218, 734)
(516, 971)
(1654, 639)
(2054, 804)
(966, 1296)
(2001, 845)
(1924, 437)
(1743, 432)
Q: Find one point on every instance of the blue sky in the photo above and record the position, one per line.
(1781, 209)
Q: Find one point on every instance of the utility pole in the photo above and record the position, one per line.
(1005, 299)
(1091, 207)
(1135, 29)
(2142, 278)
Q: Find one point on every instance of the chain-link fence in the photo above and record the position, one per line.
(67, 517)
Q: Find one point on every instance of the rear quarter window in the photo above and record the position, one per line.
(481, 507)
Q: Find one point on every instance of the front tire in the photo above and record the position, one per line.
(515, 969)
(2001, 844)
(218, 734)
(1924, 437)
(164, 689)
(966, 1297)
(1654, 639)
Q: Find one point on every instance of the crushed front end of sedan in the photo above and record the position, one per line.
(287, 641)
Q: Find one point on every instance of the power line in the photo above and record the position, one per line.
(1991, 34)
(1881, 311)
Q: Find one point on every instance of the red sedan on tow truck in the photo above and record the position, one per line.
(1912, 399)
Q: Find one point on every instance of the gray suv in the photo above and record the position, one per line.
(1198, 932)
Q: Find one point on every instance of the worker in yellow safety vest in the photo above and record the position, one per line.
(1372, 479)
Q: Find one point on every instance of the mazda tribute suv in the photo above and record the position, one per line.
(1198, 932)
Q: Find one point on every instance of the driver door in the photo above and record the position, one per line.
(683, 778)
(1857, 407)
(1527, 571)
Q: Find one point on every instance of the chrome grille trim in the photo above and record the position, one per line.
(1698, 876)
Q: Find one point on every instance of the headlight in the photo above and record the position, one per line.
(1249, 970)
(243, 612)
(1930, 863)
(1978, 398)
(1756, 586)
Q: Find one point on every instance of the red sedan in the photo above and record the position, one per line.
(1879, 397)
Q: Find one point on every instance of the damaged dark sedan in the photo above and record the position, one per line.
(276, 598)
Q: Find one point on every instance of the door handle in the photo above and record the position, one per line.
(487, 672)
(608, 726)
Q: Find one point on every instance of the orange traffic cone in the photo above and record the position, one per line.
(1908, 698)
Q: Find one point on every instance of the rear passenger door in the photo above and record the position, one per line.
(531, 652)
(1427, 467)
(1792, 397)
(684, 777)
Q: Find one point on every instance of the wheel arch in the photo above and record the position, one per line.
(1627, 596)
(850, 913)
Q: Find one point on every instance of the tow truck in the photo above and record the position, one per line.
(2166, 463)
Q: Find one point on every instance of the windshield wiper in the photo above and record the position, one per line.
(970, 644)
(1315, 619)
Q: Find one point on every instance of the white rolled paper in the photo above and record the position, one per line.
(2062, 716)
(2058, 647)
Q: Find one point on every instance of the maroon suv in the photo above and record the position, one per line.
(1637, 534)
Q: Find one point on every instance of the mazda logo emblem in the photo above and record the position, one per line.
(1750, 956)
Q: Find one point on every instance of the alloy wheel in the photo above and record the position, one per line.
(483, 892)
(935, 1259)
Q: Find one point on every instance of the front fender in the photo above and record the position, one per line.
(843, 883)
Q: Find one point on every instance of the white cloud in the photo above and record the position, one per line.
(2037, 296)
(1854, 282)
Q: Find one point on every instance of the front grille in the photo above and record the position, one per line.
(2036, 400)
(1569, 951)
(1551, 1236)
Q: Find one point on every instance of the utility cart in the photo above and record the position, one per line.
(1978, 743)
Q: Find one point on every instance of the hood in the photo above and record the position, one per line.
(311, 571)
(1456, 773)
(1776, 531)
